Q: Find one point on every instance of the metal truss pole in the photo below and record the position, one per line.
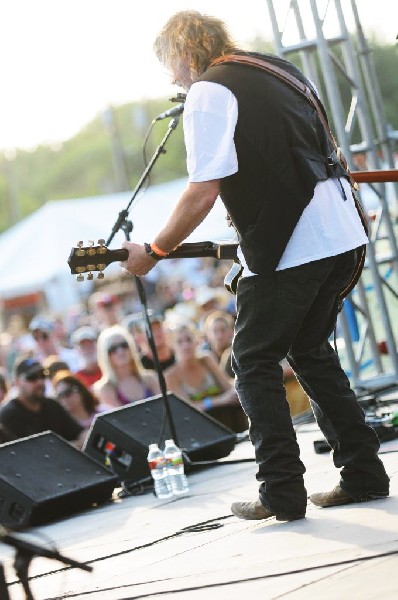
(333, 62)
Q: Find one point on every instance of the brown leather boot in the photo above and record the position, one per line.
(338, 497)
(335, 497)
(256, 511)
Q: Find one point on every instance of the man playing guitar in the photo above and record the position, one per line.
(264, 147)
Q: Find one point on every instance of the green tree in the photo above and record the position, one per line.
(85, 164)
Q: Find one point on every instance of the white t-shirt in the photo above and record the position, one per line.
(329, 224)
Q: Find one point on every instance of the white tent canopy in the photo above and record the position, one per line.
(34, 253)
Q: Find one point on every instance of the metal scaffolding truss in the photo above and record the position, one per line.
(341, 66)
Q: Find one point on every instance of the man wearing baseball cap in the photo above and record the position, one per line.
(105, 309)
(31, 411)
(42, 329)
(84, 340)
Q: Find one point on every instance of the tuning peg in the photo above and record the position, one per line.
(100, 275)
(90, 276)
(80, 277)
(80, 251)
(91, 250)
(102, 247)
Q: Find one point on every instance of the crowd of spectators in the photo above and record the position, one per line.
(101, 359)
(58, 373)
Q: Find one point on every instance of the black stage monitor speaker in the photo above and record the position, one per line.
(123, 435)
(43, 477)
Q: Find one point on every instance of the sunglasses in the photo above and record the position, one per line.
(113, 347)
(67, 392)
(35, 376)
(40, 336)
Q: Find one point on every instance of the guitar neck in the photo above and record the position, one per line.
(189, 250)
(86, 260)
(205, 249)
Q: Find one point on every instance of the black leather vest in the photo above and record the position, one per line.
(283, 151)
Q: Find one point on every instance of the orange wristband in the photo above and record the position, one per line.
(158, 250)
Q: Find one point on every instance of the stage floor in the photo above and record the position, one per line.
(138, 547)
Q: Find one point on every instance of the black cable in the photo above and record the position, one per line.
(202, 526)
(136, 488)
(210, 524)
(261, 577)
(210, 463)
(144, 143)
(236, 581)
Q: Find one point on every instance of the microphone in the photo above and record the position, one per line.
(172, 112)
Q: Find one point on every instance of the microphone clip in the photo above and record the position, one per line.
(180, 97)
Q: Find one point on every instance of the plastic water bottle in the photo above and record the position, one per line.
(157, 465)
(175, 468)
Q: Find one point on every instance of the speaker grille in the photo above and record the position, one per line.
(46, 465)
(146, 419)
(123, 435)
(43, 477)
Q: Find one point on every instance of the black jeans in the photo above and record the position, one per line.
(292, 314)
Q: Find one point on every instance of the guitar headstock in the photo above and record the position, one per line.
(88, 259)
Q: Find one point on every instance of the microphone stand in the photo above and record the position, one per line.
(25, 551)
(159, 150)
(126, 225)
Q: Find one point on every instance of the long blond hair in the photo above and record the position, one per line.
(105, 339)
(190, 33)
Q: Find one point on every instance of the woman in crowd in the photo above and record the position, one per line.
(76, 398)
(219, 331)
(123, 379)
(197, 378)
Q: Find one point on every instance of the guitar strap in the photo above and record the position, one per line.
(316, 103)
